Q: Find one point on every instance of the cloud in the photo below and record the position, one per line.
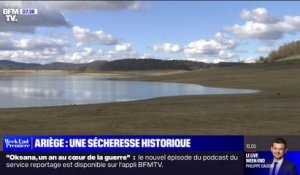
(84, 55)
(217, 60)
(260, 15)
(79, 44)
(54, 48)
(226, 55)
(75, 5)
(81, 55)
(265, 49)
(71, 55)
(50, 13)
(114, 55)
(256, 30)
(29, 23)
(37, 49)
(123, 47)
(202, 47)
(225, 41)
(93, 5)
(43, 56)
(210, 47)
(96, 37)
(32, 44)
(250, 59)
(167, 47)
(219, 47)
(4, 35)
(260, 24)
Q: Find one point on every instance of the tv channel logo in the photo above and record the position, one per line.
(11, 14)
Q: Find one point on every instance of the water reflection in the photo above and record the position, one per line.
(33, 91)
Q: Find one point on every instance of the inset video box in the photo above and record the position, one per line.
(263, 152)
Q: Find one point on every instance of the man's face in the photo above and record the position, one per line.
(278, 150)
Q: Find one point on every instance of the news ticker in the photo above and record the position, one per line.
(213, 155)
(122, 143)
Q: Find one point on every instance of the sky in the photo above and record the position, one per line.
(86, 31)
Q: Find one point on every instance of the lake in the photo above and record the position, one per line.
(37, 91)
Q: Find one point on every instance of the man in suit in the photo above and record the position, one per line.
(280, 166)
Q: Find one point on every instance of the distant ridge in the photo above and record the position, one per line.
(7, 64)
(151, 64)
(116, 65)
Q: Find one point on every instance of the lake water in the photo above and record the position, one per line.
(35, 91)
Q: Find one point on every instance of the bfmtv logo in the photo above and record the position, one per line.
(10, 14)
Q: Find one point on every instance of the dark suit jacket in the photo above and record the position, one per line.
(287, 168)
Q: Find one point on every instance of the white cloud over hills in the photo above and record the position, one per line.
(259, 15)
(220, 42)
(93, 5)
(123, 47)
(97, 37)
(167, 47)
(218, 47)
(261, 24)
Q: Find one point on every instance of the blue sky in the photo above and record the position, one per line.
(209, 31)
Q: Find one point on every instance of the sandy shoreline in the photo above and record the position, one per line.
(114, 74)
(55, 72)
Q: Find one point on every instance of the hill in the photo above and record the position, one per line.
(122, 65)
(7, 65)
(285, 52)
(290, 58)
(61, 66)
(151, 64)
(93, 66)
(117, 65)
